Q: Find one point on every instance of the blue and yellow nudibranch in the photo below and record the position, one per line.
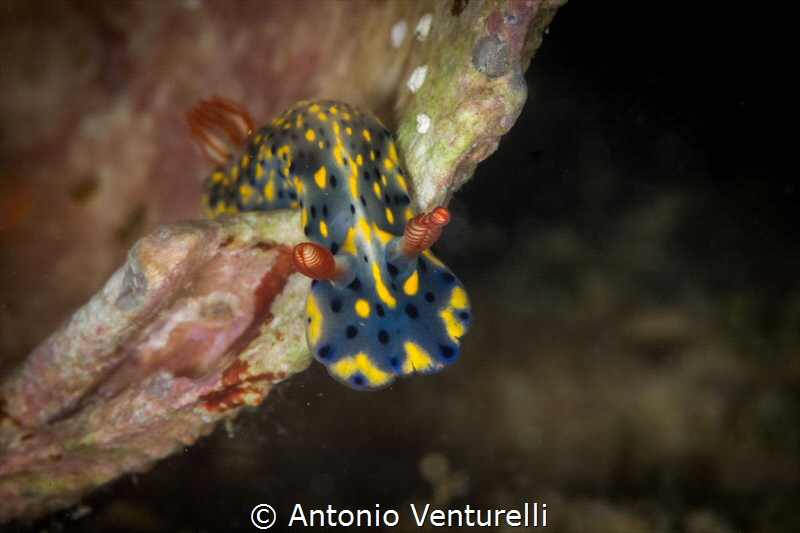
(381, 304)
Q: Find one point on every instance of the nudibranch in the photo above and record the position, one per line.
(381, 304)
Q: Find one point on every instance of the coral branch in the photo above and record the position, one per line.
(202, 319)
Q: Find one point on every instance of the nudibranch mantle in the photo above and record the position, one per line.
(382, 304)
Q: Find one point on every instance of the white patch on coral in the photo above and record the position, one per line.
(423, 26)
(417, 78)
(399, 33)
(423, 123)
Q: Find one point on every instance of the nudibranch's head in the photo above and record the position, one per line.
(383, 306)
(390, 320)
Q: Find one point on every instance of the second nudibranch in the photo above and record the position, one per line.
(381, 304)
